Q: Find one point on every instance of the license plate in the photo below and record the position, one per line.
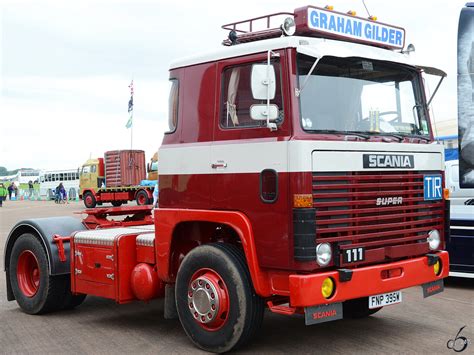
(385, 299)
(353, 255)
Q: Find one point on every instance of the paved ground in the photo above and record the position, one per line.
(100, 326)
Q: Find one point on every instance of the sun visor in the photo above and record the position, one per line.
(346, 49)
(309, 51)
(432, 71)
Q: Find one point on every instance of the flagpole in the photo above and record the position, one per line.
(130, 114)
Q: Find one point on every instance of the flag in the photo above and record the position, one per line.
(130, 104)
(130, 107)
(129, 122)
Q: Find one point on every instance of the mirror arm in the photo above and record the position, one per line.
(298, 91)
(434, 92)
(272, 126)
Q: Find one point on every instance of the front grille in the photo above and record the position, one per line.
(347, 214)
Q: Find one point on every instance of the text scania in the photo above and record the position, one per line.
(325, 314)
(355, 28)
(388, 161)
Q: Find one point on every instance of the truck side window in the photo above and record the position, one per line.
(237, 97)
(173, 106)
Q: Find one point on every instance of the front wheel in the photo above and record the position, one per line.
(215, 299)
(89, 200)
(358, 308)
(142, 198)
(34, 289)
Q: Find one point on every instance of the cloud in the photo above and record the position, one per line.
(65, 66)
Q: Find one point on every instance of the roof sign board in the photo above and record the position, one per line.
(333, 24)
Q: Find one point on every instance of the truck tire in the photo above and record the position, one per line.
(89, 200)
(215, 299)
(358, 308)
(116, 203)
(34, 289)
(142, 198)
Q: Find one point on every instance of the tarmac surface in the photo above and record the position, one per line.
(100, 326)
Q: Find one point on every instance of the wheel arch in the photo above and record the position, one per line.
(43, 229)
(170, 224)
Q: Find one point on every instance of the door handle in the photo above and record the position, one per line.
(219, 164)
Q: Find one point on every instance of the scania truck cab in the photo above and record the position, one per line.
(299, 174)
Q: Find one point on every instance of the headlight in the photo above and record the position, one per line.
(323, 254)
(434, 239)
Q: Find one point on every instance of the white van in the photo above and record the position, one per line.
(458, 195)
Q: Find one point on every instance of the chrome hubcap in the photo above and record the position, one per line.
(203, 300)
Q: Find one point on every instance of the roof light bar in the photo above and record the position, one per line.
(317, 22)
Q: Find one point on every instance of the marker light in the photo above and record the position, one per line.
(437, 268)
(351, 12)
(302, 200)
(323, 254)
(410, 48)
(446, 194)
(433, 239)
(373, 18)
(288, 27)
(327, 288)
(329, 7)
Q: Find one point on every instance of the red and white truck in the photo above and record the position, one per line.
(116, 178)
(299, 174)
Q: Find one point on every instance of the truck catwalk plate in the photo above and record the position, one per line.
(385, 299)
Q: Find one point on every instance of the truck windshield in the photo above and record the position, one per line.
(344, 95)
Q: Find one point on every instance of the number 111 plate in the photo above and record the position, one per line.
(385, 299)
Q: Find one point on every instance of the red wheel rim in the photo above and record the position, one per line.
(208, 299)
(142, 199)
(28, 273)
(89, 200)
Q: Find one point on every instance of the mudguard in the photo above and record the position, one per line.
(44, 229)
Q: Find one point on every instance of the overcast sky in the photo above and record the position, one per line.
(66, 66)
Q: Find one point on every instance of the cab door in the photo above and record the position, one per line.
(85, 178)
(248, 160)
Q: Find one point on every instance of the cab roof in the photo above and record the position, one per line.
(316, 47)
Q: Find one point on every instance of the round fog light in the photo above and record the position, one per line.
(437, 268)
(433, 239)
(323, 254)
(327, 288)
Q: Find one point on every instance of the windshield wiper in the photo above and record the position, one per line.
(398, 136)
(346, 133)
(427, 139)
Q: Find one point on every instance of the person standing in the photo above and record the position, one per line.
(155, 195)
(31, 189)
(3, 194)
(15, 190)
(10, 191)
